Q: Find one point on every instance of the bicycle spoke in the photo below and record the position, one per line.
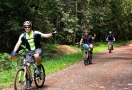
(40, 78)
(19, 80)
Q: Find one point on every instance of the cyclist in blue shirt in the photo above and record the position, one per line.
(87, 42)
(110, 38)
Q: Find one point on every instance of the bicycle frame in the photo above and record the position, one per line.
(88, 57)
(27, 71)
(26, 66)
(110, 43)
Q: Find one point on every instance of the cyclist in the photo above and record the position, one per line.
(87, 40)
(110, 38)
(31, 40)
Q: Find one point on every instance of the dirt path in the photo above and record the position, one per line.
(67, 49)
(108, 72)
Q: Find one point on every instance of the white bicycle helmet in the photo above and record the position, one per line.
(110, 32)
(27, 23)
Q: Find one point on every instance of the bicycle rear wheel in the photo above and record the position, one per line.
(39, 79)
(19, 80)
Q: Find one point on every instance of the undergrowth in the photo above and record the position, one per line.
(53, 60)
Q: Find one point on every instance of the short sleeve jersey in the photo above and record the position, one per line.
(110, 37)
(31, 41)
(87, 39)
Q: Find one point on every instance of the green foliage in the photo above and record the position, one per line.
(51, 51)
(23, 50)
(70, 17)
(5, 62)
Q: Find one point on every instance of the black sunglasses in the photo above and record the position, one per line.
(27, 27)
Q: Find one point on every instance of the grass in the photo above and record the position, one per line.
(61, 62)
(6, 78)
(103, 46)
(55, 63)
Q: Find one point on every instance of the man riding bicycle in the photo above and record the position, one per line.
(110, 38)
(87, 40)
(31, 39)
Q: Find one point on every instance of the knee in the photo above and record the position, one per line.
(85, 46)
(36, 56)
(91, 46)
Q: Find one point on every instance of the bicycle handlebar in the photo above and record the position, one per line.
(31, 53)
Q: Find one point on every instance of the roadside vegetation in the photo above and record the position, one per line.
(70, 18)
(53, 60)
(103, 46)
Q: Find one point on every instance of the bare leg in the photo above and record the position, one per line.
(27, 71)
(85, 55)
(37, 59)
(28, 76)
(91, 49)
(108, 45)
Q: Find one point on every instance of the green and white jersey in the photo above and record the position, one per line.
(32, 40)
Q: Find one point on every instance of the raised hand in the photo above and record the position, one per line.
(54, 31)
(94, 35)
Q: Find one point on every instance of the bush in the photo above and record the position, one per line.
(5, 62)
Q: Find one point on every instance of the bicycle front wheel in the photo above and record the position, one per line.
(90, 59)
(19, 79)
(85, 62)
(39, 79)
(110, 47)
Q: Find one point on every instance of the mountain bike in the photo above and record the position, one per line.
(24, 71)
(110, 43)
(89, 58)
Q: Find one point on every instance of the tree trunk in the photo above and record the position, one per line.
(75, 29)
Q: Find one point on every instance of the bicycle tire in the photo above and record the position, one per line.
(110, 47)
(90, 59)
(38, 77)
(19, 79)
(109, 50)
(85, 62)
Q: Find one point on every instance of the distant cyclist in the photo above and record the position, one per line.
(110, 38)
(87, 42)
(31, 39)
